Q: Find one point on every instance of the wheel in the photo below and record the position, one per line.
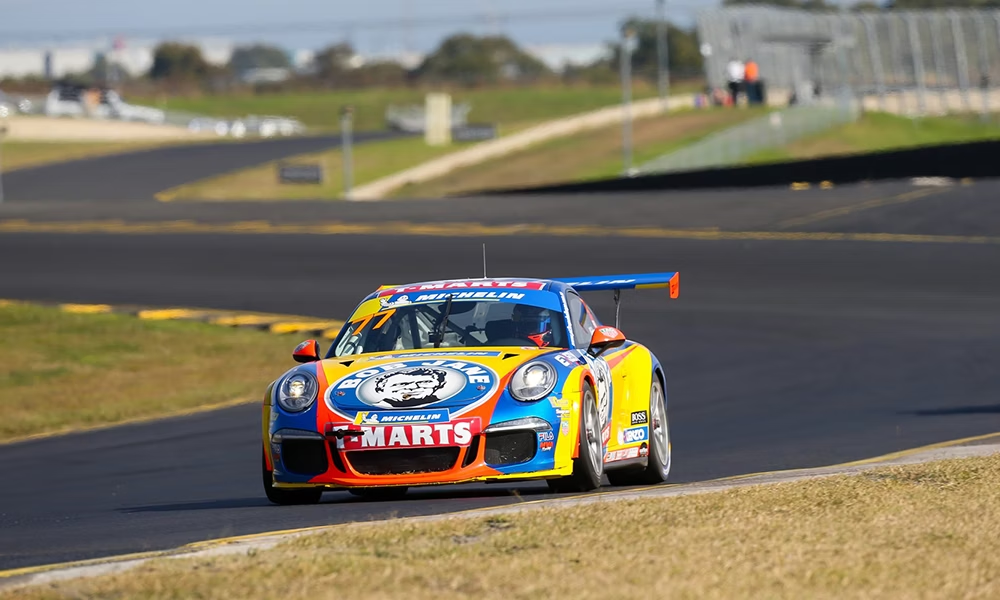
(658, 467)
(588, 467)
(379, 494)
(286, 497)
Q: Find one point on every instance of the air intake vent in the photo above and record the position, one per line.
(510, 447)
(403, 462)
(304, 457)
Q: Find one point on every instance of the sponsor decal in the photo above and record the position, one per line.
(564, 427)
(633, 435)
(602, 375)
(394, 418)
(547, 446)
(546, 436)
(558, 402)
(570, 358)
(562, 412)
(603, 282)
(465, 285)
(625, 454)
(469, 296)
(644, 450)
(415, 384)
(640, 417)
(609, 332)
(443, 354)
(394, 302)
(431, 435)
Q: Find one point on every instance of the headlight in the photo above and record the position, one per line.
(533, 381)
(297, 392)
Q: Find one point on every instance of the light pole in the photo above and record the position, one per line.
(3, 134)
(662, 52)
(346, 143)
(628, 41)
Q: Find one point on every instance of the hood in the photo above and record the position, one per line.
(458, 380)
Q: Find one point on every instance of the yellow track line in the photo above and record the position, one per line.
(847, 210)
(459, 229)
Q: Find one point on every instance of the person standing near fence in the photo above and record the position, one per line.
(735, 73)
(751, 81)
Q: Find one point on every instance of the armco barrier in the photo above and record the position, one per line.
(975, 159)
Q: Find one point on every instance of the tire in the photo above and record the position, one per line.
(588, 467)
(658, 466)
(286, 497)
(379, 494)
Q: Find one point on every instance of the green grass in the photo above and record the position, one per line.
(515, 107)
(879, 131)
(60, 371)
(371, 161)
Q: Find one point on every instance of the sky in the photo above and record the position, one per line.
(371, 25)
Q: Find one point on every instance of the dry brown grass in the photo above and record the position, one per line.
(924, 531)
(60, 371)
(589, 155)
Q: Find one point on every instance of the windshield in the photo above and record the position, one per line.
(453, 324)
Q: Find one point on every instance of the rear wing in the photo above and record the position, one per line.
(642, 281)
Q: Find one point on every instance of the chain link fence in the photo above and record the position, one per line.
(731, 146)
(911, 62)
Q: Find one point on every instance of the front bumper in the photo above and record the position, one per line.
(302, 458)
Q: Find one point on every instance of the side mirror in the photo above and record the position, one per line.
(604, 339)
(306, 352)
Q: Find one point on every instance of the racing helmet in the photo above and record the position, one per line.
(533, 323)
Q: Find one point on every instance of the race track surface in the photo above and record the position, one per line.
(136, 176)
(780, 354)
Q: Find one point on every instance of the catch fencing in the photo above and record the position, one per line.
(731, 146)
(917, 62)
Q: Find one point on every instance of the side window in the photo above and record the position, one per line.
(582, 322)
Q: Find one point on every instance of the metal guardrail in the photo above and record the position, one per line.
(731, 146)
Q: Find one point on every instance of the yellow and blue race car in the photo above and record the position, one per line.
(470, 380)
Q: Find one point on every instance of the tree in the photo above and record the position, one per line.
(800, 4)
(258, 56)
(683, 50)
(941, 4)
(866, 7)
(332, 63)
(178, 61)
(473, 60)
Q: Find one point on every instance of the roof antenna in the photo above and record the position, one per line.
(484, 260)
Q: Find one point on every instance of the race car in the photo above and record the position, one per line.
(470, 380)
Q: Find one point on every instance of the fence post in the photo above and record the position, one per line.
(662, 53)
(876, 56)
(626, 74)
(939, 69)
(984, 63)
(918, 64)
(963, 61)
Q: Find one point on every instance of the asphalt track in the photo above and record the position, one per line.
(141, 175)
(780, 354)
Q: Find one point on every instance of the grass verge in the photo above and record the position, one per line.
(504, 106)
(875, 132)
(18, 155)
(919, 531)
(371, 161)
(60, 371)
(589, 155)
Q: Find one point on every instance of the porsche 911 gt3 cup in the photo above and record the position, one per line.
(470, 380)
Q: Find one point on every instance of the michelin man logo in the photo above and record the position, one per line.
(413, 384)
(401, 301)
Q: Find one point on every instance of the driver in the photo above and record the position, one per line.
(533, 323)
